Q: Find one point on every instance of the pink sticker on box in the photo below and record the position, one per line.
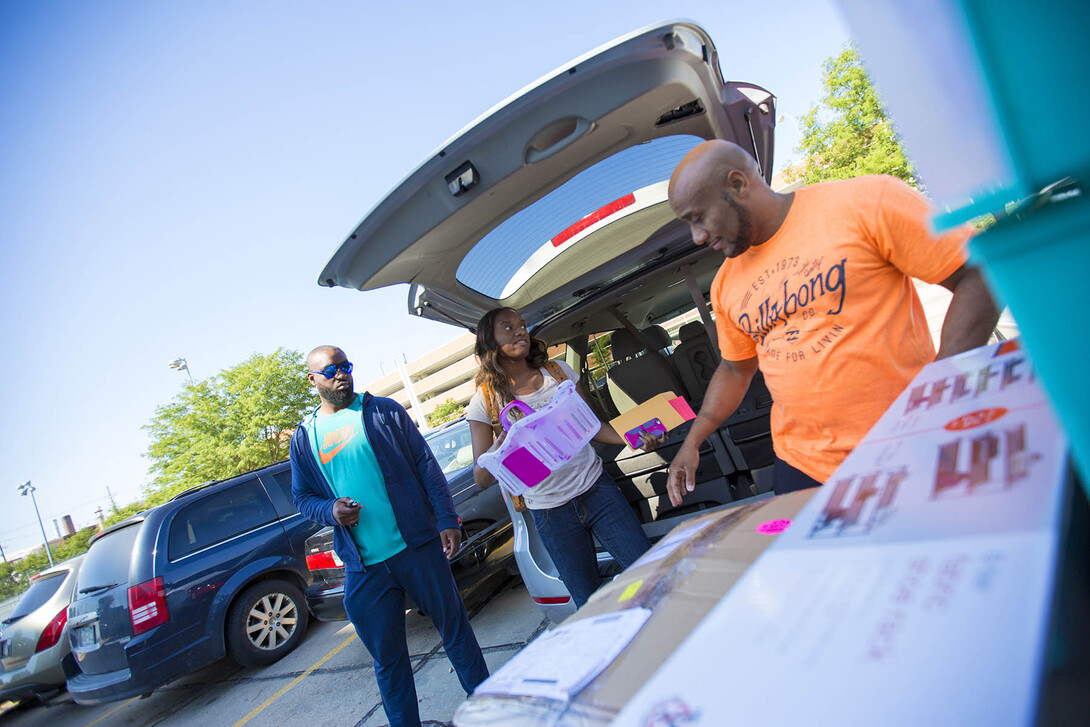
(772, 527)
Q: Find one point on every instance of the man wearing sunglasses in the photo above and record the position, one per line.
(359, 464)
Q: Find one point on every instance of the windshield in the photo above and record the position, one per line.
(536, 235)
(452, 447)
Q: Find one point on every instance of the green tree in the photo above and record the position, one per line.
(233, 422)
(600, 355)
(216, 428)
(10, 584)
(856, 136)
(444, 412)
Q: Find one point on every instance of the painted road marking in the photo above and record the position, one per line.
(123, 704)
(258, 709)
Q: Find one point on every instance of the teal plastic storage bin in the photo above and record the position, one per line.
(991, 97)
(993, 103)
(1034, 57)
(1040, 265)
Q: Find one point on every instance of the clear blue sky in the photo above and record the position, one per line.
(174, 176)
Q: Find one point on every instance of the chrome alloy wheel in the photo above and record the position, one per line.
(271, 621)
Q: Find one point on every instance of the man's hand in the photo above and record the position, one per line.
(346, 511)
(451, 538)
(682, 476)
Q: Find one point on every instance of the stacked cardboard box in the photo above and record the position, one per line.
(680, 580)
(912, 588)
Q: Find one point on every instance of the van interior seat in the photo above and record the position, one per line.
(641, 374)
(750, 426)
(696, 359)
(638, 375)
(658, 337)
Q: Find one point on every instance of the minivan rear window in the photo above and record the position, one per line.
(531, 238)
(108, 560)
(39, 592)
(219, 516)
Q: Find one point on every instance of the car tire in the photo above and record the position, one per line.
(265, 623)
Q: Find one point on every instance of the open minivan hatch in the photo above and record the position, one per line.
(554, 203)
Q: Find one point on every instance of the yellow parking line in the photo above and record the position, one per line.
(126, 702)
(257, 710)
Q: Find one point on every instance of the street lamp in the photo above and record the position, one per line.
(180, 364)
(794, 122)
(28, 489)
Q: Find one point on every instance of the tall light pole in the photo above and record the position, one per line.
(180, 364)
(793, 121)
(28, 489)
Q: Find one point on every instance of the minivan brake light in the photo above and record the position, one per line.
(147, 606)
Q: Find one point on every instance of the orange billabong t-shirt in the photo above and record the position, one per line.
(828, 306)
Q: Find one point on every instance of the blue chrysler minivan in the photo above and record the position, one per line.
(219, 570)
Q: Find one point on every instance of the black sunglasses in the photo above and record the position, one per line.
(331, 370)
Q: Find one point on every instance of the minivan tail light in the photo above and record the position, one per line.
(52, 633)
(147, 606)
(551, 600)
(324, 559)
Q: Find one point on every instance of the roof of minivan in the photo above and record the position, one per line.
(127, 523)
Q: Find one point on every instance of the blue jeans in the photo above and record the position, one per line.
(375, 602)
(566, 530)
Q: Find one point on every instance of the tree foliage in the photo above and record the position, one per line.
(216, 428)
(444, 412)
(849, 133)
(235, 421)
(600, 354)
(15, 577)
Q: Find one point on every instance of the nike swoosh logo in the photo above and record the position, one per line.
(327, 457)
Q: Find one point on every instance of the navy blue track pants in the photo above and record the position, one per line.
(375, 602)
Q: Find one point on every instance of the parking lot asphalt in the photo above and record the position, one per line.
(328, 680)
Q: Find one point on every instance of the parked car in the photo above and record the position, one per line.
(219, 570)
(34, 653)
(486, 529)
(554, 203)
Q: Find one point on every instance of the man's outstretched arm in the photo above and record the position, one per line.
(725, 392)
(972, 314)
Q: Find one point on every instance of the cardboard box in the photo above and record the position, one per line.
(916, 585)
(680, 579)
(913, 588)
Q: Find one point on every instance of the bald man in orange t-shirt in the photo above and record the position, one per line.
(816, 291)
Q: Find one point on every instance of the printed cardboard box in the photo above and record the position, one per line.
(914, 588)
(680, 579)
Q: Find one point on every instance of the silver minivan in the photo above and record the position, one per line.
(554, 203)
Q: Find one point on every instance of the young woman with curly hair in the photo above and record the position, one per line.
(575, 502)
